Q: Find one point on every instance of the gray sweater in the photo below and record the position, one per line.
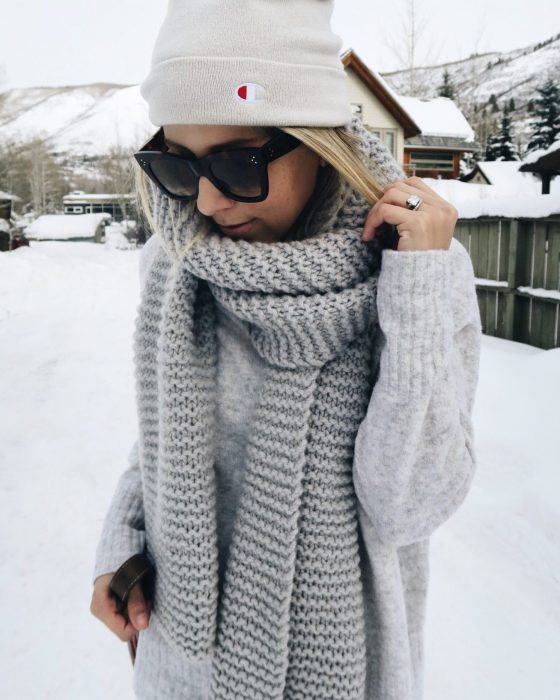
(414, 462)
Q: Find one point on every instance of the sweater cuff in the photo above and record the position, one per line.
(415, 315)
(108, 559)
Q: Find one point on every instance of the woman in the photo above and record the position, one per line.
(304, 396)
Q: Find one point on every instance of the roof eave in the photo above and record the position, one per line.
(351, 60)
(454, 149)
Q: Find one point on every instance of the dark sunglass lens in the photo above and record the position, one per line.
(175, 176)
(240, 174)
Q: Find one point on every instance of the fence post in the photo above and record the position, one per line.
(511, 279)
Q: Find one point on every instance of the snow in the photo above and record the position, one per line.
(68, 420)
(79, 195)
(438, 116)
(474, 200)
(490, 283)
(532, 291)
(505, 175)
(115, 237)
(85, 120)
(540, 292)
(516, 74)
(7, 195)
(64, 226)
(534, 156)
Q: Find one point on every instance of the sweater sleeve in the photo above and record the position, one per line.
(122, 534)
(414, 457)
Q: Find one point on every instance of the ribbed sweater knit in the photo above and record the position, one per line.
(414, 462)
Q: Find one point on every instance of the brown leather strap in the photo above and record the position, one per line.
(128, 575)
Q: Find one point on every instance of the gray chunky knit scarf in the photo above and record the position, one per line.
(291, 620)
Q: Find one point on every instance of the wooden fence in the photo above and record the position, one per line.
(517, 263)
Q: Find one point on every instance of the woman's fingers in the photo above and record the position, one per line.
(418, 183)
(394, 194)
(385, 211)
(428, 227)
(138, 608)
(402, 190)
(104, 607)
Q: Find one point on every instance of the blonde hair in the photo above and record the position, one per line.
(340, 148)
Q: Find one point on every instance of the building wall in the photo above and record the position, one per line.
(374, 115)
(85, 207)
(435, 172)
(478, 180)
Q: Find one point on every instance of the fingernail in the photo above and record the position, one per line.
(142, 620)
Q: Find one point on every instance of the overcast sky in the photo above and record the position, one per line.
(71, 42)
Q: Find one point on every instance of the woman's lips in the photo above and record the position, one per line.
(241, 228)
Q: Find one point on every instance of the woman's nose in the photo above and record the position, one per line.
(210, 199)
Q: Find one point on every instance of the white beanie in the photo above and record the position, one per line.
(254, 62)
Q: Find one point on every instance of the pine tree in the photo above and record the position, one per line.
(446, 89)
(492, 147)
(546, 122)
(500, 146)
(493, 103)
(507, 150)
(511, 105)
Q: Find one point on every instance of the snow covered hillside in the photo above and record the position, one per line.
(515, 74)
(504, 74)
(68, 420)
(84, 120)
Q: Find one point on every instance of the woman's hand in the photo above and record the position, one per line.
(104, 607)
(430, 227)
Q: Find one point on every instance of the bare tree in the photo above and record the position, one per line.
(116, 168)
(39, 175)
(29, 170)
(407, 44)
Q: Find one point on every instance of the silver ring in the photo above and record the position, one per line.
(413, 202)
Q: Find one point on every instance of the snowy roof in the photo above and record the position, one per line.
(7, 195)
(534, 156)
(447, 143)
(505, 175)
(64, 227)
(473, 200)
(79, 196)
(437, 116)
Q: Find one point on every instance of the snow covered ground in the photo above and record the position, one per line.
(67, 422)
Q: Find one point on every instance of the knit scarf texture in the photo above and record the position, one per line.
(290, 620)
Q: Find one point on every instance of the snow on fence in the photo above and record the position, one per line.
(517, 268)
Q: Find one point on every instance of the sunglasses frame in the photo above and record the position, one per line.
(155, 149)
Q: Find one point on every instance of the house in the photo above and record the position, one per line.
(427, 137)
(377, 105)
(61, 227)
(445, 136)
(78, 202)
(544, 162)
(504, 175)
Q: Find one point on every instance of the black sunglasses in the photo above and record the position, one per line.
(240, 174)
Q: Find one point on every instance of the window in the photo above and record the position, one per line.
(389, 138)
(424, 160)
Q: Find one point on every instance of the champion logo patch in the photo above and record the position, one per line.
(250, 93)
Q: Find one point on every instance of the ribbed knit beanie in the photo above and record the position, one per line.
(254, 62)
